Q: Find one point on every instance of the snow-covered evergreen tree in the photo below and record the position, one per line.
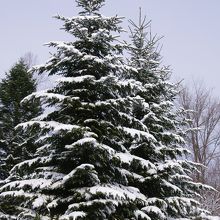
(107, 146)
(77, 170)
(17, 84)
(170, 188)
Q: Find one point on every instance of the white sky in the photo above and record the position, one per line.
(191, 30)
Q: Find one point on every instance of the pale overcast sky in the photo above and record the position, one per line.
(191, 30)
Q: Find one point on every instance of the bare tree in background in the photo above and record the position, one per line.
(43, 81)
(30, 59)
(203, 138)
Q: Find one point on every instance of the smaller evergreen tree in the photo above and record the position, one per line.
(170, 191)
(17, 84)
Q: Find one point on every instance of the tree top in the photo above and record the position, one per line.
(90, 6)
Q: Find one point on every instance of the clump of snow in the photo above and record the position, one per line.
(116, 192)
(81, 142)
(137, 134)
(128, 158)
(46, 94)
(3, 216)
(77, 79)
(38, 202)
(70, 175)
(17, 193)
(33, 183)
(140, 214)
(72, 215)
(89, 203)
(207, 217)
(155, 210)
(55, 126)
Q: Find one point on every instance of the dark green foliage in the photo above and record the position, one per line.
(17, 84)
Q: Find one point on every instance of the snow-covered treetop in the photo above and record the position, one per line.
(94, 40)
(145, 45)
(90, 6)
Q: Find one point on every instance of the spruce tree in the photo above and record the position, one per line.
(170, 188)
(17, 84)
(107, 146)
(76, 171)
